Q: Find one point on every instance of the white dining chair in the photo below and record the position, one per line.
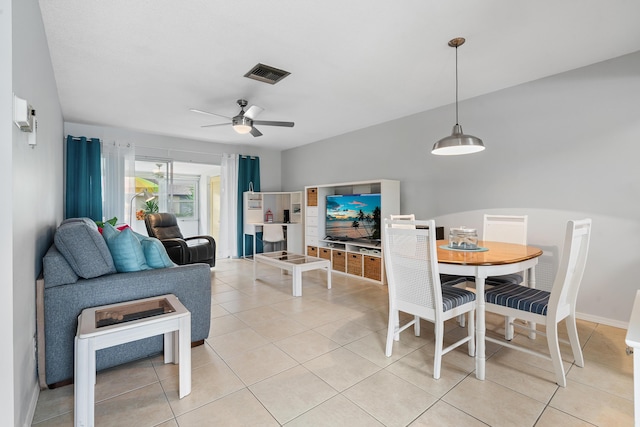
(404, 217)
(506, 229)
(549, 308)
(272, 233)
(411, 262)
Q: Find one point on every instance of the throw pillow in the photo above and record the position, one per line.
(125, 248)
(154, 252)
(79, 241)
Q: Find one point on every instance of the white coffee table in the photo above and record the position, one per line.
(110, 325)
(294, 263)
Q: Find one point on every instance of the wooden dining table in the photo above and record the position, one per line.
(498, 259)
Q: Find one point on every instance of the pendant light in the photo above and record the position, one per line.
(458, 142)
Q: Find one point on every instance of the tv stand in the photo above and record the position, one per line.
(348, 255)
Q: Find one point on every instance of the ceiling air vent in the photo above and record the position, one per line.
(266, 74)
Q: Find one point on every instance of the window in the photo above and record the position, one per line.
(184, 201)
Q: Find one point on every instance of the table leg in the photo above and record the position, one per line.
(255, 232)
(80, 392)
(184, 351)
(170, 348)
(636, 386)
(329, 277)
(480, 328)
(297, 282)
(255, 266)
(531, 273)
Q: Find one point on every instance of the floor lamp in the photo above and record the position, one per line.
(147, 196)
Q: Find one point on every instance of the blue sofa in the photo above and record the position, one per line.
(79, 272)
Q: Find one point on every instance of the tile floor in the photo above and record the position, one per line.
(318, 360)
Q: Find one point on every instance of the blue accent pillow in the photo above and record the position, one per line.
(80, 243)
(125, 249)
(154, 252)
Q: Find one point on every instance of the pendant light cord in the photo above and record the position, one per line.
(456, 85)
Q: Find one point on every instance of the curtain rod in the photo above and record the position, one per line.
(79, 138)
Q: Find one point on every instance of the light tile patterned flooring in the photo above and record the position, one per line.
(318, 360)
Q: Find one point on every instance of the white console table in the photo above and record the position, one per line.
(92, 336)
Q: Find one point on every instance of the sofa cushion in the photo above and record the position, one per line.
(79, 241)
(125, 248)
(154, 252)
(56, 270)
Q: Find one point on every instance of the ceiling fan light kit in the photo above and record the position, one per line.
(457, 143)
(241, 124)
(244, 122)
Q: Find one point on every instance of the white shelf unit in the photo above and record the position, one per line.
(257, 204)
(359, 258)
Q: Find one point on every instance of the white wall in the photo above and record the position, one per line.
(6, 215)
(557, 148)
(36, 196)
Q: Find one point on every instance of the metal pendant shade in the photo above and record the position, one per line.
(457, 143)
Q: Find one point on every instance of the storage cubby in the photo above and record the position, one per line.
(354, 256)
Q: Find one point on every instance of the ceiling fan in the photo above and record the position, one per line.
(244, 121)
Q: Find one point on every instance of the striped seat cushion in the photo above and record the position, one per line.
(454, 297)
(507, 279)
(450, 280)
(519, 297)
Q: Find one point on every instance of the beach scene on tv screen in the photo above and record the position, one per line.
(353, 216)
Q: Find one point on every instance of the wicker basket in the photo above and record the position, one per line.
(324, 253)
(354, 264)
(339, 260)
(312, 251)
(312, 197)
(372, 267)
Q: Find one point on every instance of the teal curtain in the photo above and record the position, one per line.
(248, 172)
(84, 183)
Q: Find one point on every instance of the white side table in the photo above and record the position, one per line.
(110, 325)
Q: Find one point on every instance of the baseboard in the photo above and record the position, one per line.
(33, 402)
(603, 320)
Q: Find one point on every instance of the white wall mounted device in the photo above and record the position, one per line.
(23, 114)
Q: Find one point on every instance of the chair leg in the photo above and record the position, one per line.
(556, 357)
(392, 331)
(508, 327)
(416, 326)
(572, 330)
(472, 331)
(461, 320)
(437, 355)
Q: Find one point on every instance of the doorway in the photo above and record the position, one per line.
(189, 190)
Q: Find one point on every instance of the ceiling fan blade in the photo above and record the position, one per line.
(218, 124)
(255, 132)
(208, 113)
(270, 123)
(253, 112)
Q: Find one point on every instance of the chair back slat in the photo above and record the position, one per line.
(411, 263)
(406, 217)
(572, 265)
(505, 228)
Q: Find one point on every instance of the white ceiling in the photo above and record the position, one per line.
(142, 64)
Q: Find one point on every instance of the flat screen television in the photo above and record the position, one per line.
(353, 217)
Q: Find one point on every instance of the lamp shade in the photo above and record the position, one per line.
(458, 143)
